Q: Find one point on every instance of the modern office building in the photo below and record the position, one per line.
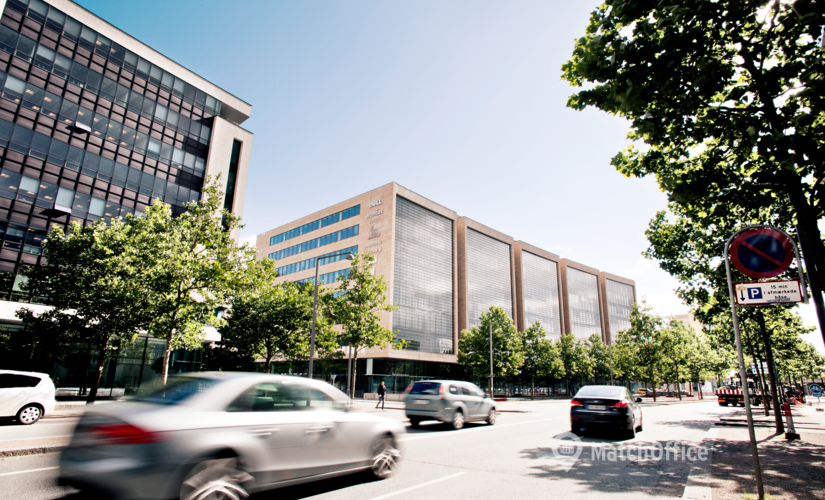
(94, 125)
(442, 271)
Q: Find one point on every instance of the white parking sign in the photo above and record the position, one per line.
(769, 292)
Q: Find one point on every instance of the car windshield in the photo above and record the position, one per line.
(425, 388)
(597, 391)
(176, 390)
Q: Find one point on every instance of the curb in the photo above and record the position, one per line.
(698, 485)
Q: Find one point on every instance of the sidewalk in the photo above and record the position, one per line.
(805, 418)
(790, 469)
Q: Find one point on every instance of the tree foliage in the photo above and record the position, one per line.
(474, 345)
(196, 267)
(275, 321)
(728, 99)
(94, 280)
(358, 306)
(542, 357)
(575, 358)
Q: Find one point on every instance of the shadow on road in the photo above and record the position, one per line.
(316, 488)
(430, 427)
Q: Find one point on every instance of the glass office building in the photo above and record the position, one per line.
(442, 271)
(423, 278)
(620, 299)
(95, 125)
(583, 297)
(540, 293)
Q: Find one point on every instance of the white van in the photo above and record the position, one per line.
(26, 396)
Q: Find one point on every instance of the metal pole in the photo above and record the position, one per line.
(349, 365)
(314, 313)
(742, 373)
(491, 360)
(610, 351)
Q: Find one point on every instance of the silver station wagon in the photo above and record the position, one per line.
(226, 435)
(448, 401)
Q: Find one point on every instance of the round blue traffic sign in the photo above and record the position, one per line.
(761, 253)
(816, 390)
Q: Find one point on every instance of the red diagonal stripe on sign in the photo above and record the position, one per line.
(761, 253)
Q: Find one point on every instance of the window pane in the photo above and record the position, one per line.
(113, 134)
(130, 61)
(75, 156)
(103, 45)
(127, 138)
(78, 75)
(100, 125)
(179, 86)
(135, 101)
(109, 88)
(25, 48)
(81, 202)
(155, 74)
(41, 143)
(144, 67)
(88, 37)
(141, 141)
(65, 197)
(122, 95)
(85, 116)
(22, 136)
(28, 188)
(9, 181)
(172, 118)
(47, 192)
(34, 95)
(72, 29)
(15, 86)
(51, 104)
(154, 145)
(117, 52)
(168, 80)
(8, 38)
(94, 80)
(59, 150)
(56, 19)
(160, 113)
(97, 206)
(45, 55)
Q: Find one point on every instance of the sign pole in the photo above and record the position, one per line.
(742, 373)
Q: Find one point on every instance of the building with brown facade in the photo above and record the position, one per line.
(442, 271)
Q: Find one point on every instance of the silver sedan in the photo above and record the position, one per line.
(226, 435)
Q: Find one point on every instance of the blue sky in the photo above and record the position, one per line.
(460, 101)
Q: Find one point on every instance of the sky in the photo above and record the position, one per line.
(459, 101)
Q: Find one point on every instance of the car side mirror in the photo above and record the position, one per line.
(638, 400)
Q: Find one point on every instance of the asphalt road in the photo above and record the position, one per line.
(512, 459)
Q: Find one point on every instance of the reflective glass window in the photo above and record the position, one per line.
(488, 275)
(62, 65)
(47, 192)
(51, 105)
(25, 48)
(72, 29)
(9, 182)
(583, 295)
(8, 38)
(38, 9)
(44, 58)
(22, 136)
(540, 289)
(28, 189)
(130, 61)
(55, 20)
(94, 81)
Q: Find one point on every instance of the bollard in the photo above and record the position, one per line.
(790, 433)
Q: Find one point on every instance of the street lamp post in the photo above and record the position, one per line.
(610, 351)
(491, 361)
(349, 256)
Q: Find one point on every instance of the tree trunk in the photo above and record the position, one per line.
(354, 369)
(758, 363)
(167, 351)
(532, 386)
(653, 387)
(101, 359)
(268, 363)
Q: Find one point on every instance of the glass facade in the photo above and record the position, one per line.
(88, 131)
(540, 286)
(423, 278)
(488, 275)
(583, 296)
(317, 224)
(310, 263)
(327, 278)
(317, 242)
(619, 302)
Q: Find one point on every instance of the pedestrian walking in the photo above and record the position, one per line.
(381, 393)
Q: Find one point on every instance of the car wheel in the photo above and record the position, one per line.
(723, 404)
(491, 418)
(414, 422)
(220, 478)
(458, 420)
(29, 414)
(631, 433)
(385, 458)
(641, 421)
(575, 429)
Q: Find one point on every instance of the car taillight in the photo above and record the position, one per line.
(441, 391)
(123, 434)
(409, 388)
(620, 404)
(576, 403)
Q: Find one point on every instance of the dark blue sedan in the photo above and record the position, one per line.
(605, 407)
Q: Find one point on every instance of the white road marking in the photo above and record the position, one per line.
(465, 431)
(411, 488)
(25, 471)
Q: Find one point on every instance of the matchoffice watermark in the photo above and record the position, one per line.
(567, 450)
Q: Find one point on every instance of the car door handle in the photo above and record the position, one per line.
(263, 432)
(319, 429)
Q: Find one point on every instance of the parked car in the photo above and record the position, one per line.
(27, 396)
(448, 401)
(226, 435)
(605, 406)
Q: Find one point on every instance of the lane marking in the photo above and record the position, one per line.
(476, 429)
(25, 471)
(411, 488)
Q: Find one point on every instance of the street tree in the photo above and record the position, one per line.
(358, 308)
(599, 356)
(675, 339)
(575, 359)
(196, 268)
(95, 281)
(640, 345)
(726, 97)
(541, 355)
(474, 346)
(274, 321)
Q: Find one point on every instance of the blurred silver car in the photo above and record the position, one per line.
(226, 435)
(448, 401)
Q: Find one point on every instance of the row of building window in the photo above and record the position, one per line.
(26, 141)
(310, 263)
(317, 242)
(109, 52)
(70, 113)
(326, 279)
(17, 238)
(318, 224)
